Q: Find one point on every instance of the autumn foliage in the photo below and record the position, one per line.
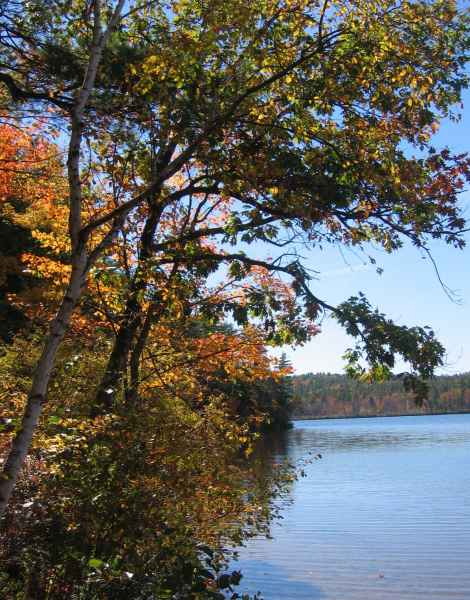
(182, 434)
(163, 165)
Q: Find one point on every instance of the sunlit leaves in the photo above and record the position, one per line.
(380, 341)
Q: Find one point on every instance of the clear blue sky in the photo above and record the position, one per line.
(408, 290)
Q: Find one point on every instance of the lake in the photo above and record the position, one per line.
(384, 514)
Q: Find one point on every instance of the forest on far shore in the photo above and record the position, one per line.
(334, 395)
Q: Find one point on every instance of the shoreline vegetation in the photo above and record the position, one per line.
(379, 416)
(330, 395)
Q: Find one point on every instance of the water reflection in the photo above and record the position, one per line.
(385, 514)
(270, 577)
(274, 446)
(333, 441)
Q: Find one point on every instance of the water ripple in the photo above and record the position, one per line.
(384, 515)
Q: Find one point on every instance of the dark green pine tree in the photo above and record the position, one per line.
(14, 241)
(278, 397)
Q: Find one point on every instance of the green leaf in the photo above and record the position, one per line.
(95, 563)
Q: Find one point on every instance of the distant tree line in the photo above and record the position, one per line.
(332, 395)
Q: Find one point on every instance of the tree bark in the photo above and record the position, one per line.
(116, 368)
(137, 351)
(37, 396)
(80, 266)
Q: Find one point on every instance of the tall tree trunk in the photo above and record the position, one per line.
(136, 354)
(37, 397)
(114, 376)
(80, 264)
(154, 313)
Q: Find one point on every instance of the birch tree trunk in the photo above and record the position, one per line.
(80, 265)
(37, 396)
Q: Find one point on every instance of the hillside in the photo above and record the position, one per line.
(331, 395)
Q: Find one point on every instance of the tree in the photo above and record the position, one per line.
(291, 115)
(145, 501)
(31, 185)
(325, 394)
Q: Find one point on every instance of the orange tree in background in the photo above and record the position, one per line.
(32, 189)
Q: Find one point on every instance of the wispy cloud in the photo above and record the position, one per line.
(344, 271)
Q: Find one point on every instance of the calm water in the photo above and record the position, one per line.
(385, 514)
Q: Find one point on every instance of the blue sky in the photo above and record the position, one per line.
(408, 290)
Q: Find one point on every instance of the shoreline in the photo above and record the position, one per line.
(380, 416)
